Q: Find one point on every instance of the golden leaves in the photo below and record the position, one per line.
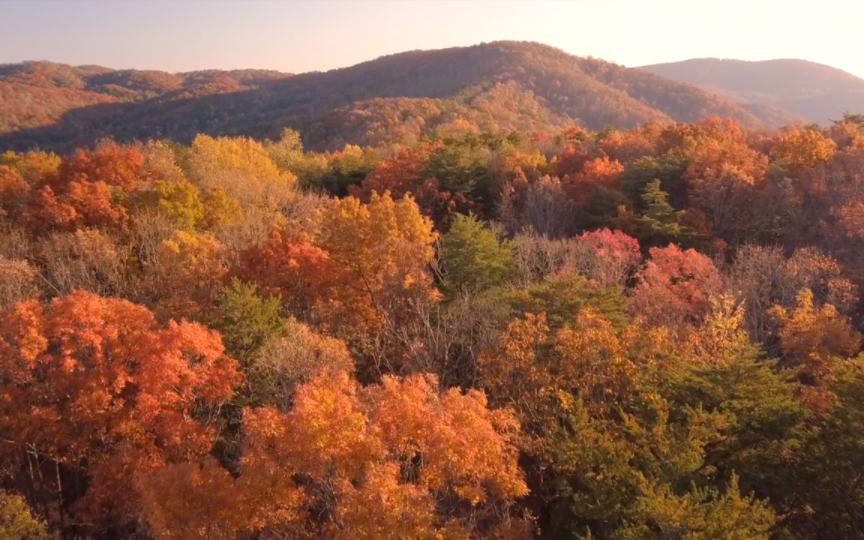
(810, 336)
(800, 148)
(242, 168)
(377, 457)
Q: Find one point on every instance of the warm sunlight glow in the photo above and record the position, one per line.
(297, 36)
(431, 270)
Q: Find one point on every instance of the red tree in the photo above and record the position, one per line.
(98, 389)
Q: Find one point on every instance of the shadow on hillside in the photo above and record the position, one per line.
(596, 92)
(177, 119)
(292, 102)
(259, 112)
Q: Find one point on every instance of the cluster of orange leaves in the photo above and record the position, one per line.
(350, 462)
(97, 381)
(99, 387)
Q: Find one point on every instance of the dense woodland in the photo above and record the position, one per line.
(646, 333)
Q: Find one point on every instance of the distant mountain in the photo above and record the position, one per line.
(34, 94)
(397, 98)
(814, 92)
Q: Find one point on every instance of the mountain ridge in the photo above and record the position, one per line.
(815, 92)
(552, 87)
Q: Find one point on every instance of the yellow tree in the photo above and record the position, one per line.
(382, 250)
(810, 336)
(721, 331)
(242, 168)
(35, 167)
(15, 193)
(17, 521)
(185, 275)
(529, 366)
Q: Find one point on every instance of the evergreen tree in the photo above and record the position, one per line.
(473, 257)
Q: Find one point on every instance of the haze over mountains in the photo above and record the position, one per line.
(814, 92)
(500, 85)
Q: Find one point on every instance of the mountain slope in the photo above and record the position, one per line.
(815, 92)
(34, 94)
(506, 85)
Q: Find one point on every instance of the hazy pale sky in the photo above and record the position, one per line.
(309, 35)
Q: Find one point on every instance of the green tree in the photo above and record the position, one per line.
(828, 487)
(636, 476)
(660, 223)
(760, 414)
(857, 119)
(600, 208)
(668, 168)
(343, 169)
(616, 476)
(560, 297)
(246, 320)
(700, 514)
(473, 258)
(461, 165)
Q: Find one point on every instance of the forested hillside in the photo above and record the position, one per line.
(468, 333)
(812, 92)
(37, 94)
(398, 98)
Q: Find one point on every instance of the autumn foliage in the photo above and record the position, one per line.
(474, 334)
(96, 386)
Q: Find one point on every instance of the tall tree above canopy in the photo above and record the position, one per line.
(473, 257)
(799, 148)
(114, 164)
(811, 337)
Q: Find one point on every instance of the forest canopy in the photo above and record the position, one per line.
(486, 333)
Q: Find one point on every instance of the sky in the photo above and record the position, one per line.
(317, 35)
